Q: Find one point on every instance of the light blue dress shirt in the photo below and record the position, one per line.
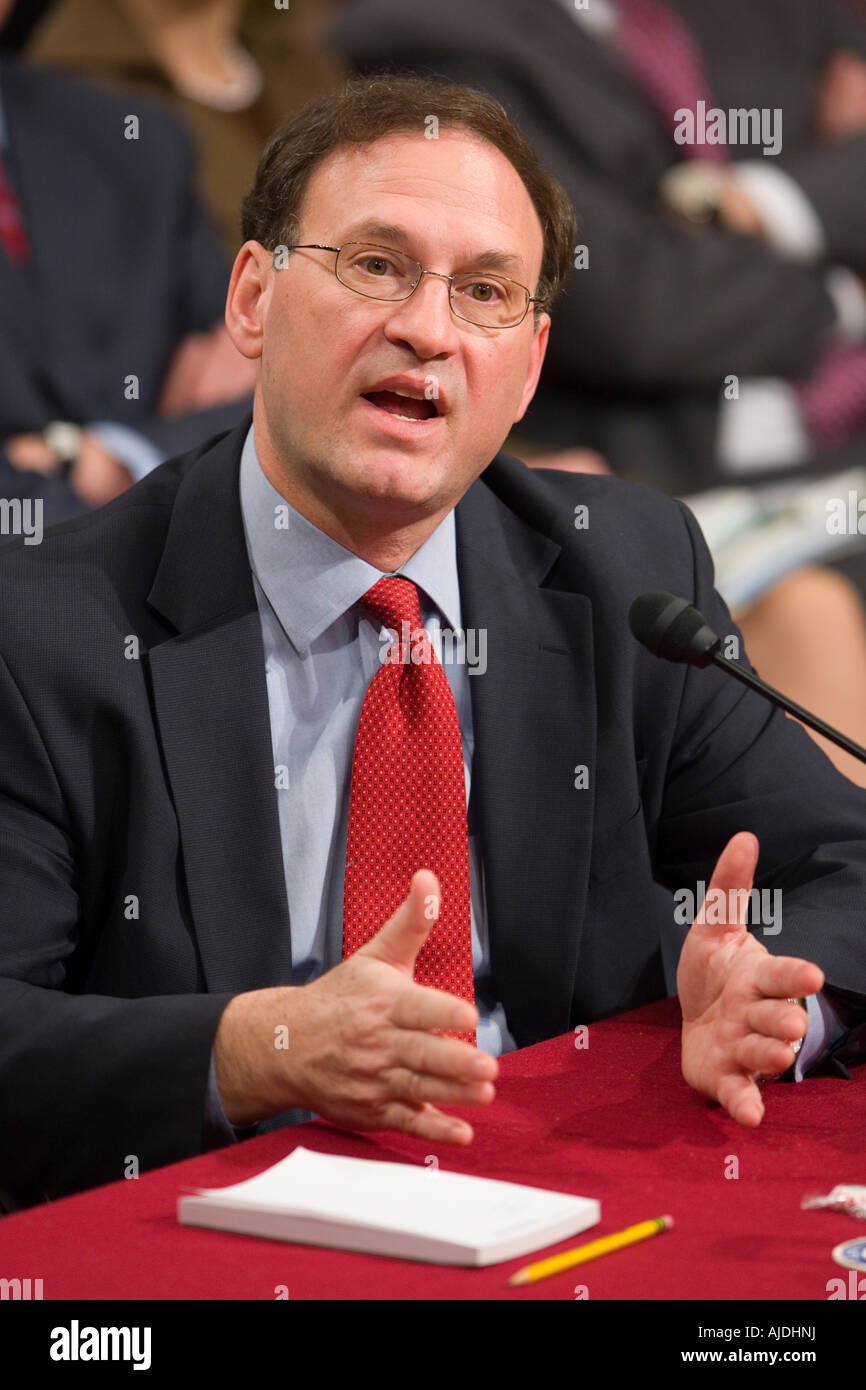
(321, 652)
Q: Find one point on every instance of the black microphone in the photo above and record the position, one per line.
(671, 628)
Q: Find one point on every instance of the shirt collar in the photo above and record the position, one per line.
(311, 580)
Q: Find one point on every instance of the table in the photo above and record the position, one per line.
(602, 1112)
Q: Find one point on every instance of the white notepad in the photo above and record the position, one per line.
(401, 1209)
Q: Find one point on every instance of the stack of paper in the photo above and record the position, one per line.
(401, 1209)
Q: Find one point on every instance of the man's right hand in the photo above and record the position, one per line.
(363, 1047)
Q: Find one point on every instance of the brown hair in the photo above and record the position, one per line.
(367, 108)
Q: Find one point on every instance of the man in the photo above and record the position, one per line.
(233, 805)
(112, 285)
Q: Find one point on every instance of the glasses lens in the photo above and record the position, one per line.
(489, 300)
(376, 271)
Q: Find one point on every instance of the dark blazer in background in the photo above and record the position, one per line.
(644, 338)
(141, 877)
(124, 263)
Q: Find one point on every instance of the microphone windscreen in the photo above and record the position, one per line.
(671, 628)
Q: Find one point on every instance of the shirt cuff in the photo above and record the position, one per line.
(849, 297)
(825, 1028)
(218, 1132)
(793, 227)
(762, 428)
(138, 454)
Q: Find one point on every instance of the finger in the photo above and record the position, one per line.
(783, 977)
(774, 1018)
(756, 1053)
(423, 1007)
(418, 1089)
(426, 1122)
(446, 1057)
(727, 897)
(401, 938)
(741, 1098)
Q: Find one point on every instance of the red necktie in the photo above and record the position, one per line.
(13, 234)
(407, 806)
(666, 62)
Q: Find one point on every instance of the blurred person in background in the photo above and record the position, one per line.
(231, 70)
(113, 353)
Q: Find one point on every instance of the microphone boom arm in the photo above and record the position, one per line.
(789, 706)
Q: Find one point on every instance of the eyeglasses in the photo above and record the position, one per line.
(380, 272)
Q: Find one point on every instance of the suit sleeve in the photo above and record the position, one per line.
(737, 763)
(87, 1082)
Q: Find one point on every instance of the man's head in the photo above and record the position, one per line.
(434, 171)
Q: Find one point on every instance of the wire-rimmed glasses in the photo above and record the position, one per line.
(381, 272)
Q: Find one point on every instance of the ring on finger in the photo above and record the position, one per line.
(795, 1044)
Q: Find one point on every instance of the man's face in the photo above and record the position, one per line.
(324, 347)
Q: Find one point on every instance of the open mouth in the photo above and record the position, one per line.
(402, 407)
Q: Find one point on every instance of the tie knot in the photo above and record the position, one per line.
(394, 601)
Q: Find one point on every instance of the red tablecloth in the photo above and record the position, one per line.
(613, 1121)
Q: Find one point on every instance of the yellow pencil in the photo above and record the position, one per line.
(531, 1273)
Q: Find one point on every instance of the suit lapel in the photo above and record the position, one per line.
(534, 723)
(211, 706)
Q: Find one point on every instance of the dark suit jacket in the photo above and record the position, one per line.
(646, 335)
(141, 880)
(124, 263)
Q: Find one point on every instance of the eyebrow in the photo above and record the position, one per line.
(399, 237)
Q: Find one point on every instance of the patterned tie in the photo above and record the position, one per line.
(13, 234)
(407, 806)
(666, 62)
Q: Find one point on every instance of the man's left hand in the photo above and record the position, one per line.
(738, 1023)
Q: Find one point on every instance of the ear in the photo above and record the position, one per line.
(536, 358)
(247, 299)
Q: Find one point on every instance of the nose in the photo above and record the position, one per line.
(424, 321)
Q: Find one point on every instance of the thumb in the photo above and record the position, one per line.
(403, 935)
(726, 904)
